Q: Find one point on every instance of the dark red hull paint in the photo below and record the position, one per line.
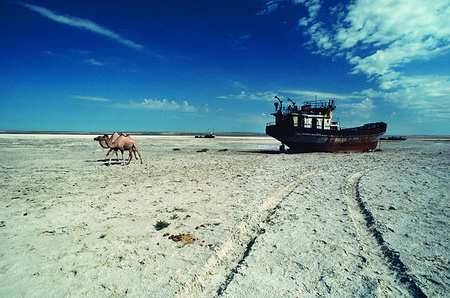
(358, 139)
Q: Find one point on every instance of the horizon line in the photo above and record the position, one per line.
(188, 133)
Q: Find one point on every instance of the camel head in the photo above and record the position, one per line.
(102, 140)
(99, 138)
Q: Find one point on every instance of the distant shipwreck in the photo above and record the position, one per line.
(208, 135)
(311, 128)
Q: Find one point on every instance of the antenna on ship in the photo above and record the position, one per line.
(294, 105)
(278, 105)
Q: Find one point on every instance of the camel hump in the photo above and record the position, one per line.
(114, 137)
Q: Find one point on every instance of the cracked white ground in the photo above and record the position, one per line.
(267, 225)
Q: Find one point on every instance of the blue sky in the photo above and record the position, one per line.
(216, 65)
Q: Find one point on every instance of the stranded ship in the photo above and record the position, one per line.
(311, 128)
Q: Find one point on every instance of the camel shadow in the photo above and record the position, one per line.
(114, 163)
(102, 160)
(105, 161)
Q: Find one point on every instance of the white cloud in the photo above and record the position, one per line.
(356, 113)
(148, 104)
(378, 38)
(94, 62)
(313, 7)
(270, 7)
(398, 31)
(91, 98)
(82, 24)
(160, 104)
(429, 94)
(248, 95)
(316, 30)
(238, 85)
(258, 119)
(50, 53)
(309, 94)
(362, 109)
(303, 94)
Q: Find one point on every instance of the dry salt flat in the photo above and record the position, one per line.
(259, 224)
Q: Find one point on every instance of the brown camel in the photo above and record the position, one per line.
(126, 143)
(112, 139)
(102, 141)
(119, 142)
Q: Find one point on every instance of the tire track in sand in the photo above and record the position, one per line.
(371, 239)
(224, 263)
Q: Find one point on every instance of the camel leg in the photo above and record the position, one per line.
(130, 156)
(107, 154)
(136, 150)
(123, 160)
(109, 151)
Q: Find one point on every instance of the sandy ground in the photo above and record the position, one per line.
(264, 225)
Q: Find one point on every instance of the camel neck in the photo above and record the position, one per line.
(103, 144)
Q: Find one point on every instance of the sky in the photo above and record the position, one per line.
(217, 65)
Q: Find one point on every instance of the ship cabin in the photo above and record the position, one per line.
(312, 115)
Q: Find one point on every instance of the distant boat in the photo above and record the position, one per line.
(209, 135)
(393, 138)
(312, 129)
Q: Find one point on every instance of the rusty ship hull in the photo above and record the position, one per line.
(358, 139)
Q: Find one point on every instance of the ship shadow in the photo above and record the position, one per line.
(261, 151)
(275, 151)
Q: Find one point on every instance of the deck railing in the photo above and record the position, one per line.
(317, 103)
